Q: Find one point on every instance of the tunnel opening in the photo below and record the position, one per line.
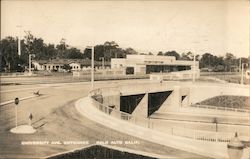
(129, 103)
(155, 100)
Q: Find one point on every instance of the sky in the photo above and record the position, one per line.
(214, 26)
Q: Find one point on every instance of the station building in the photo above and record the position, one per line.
(146, 64)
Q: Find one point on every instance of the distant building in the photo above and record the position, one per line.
(145, 64)
(75, 64)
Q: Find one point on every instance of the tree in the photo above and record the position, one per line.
(110, 49)
(9, 56)
(29, 42)
(61, 48)
(229, 61)
(66, 67)
(160, 53)
(73, 53)
(130, 51)
(98, 52)
(35, 46)
(187, 56)
(50, 51)
(207, 60)
(10, 60)
(107, 50)
(172, 53)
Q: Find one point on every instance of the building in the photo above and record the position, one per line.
(75, 64)
(146, 64)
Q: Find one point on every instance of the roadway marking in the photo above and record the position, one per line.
(21, 89)
(12, 101)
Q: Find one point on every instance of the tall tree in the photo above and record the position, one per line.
(207, 60)
(130, 51)
(172, 53)
(229, 61)
(73, 53)
(160, 53)
(9, 56)
(61, 48)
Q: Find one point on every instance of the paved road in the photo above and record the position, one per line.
(17, 80)
(56, 119)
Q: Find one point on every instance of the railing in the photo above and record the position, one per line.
(14, 74)
(179, 75)
(148, 123)
(218, 73)
(120, 115)
(232, 109)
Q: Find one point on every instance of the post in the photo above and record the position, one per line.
(29, 64)
(16, 103)
(235, 148)
(194, 69)
(19, 40)
(30, 119)
(102, 62)
(92, 68)
(240, 65)
(16, 114)
(242, 70)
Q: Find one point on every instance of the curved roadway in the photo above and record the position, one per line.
(56, 119)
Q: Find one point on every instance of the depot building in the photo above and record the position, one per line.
(146, 64)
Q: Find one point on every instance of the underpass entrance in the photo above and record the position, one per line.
(155, 100)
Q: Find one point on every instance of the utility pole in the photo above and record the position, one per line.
(194, 68)
(30, 55)
(102, 62)
(19, 40)
(240, 65)
(242, 71)
(92, 68)
(16, 103)
(29, 64)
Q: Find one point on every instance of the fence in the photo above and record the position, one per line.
(2, 74)
(232, 109)
(180, 75)
(148, 123)
(218, 73)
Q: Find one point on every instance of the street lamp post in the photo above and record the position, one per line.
(19, 40)
(92, 65)
(30, 55)
(240, 65)
(92, 68)
(16, 103)
(102, 62)
(235, 148)
(242, 71)
(194, 68)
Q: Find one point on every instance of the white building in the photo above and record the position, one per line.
(145, 64)
(38, 65)
(75, 66)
